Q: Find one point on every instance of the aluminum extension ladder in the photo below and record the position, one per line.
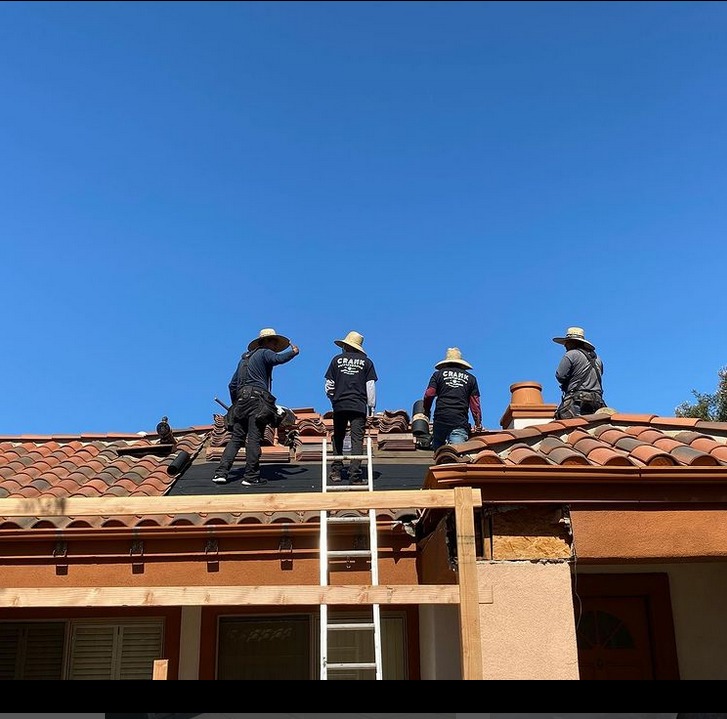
(326, 625)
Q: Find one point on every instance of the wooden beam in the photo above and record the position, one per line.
(469, 605)
(161, 667)
(229, 596)
(308, 501)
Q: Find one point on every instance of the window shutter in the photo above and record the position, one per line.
(92, 652)
(115, 651)
(44, 644)
(141, 645)
(31, 650)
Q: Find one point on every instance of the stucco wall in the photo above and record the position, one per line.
(528, 631)
(650, 534)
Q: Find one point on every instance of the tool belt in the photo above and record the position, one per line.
(571, 404)
(257, 404)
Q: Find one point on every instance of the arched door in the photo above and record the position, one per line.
(624, 627)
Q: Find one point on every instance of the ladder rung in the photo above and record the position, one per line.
(353, 665)
(349, 553)
(351, 626)
(347, 456)
(345, 520)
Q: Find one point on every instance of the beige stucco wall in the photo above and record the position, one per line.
(700, 621)
(528, 631)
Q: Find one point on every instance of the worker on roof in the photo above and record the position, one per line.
(457, 394)
(351, 387)
(253, 405)
(578, 374)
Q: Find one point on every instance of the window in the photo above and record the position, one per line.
(126, 650)
(31, 650)
(94, 650)
(286, 647)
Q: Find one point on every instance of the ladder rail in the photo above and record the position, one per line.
(372, 552)
(323, 569)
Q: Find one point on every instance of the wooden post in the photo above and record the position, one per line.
(161, 667)
(469, 604)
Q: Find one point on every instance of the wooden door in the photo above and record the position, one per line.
(624, 627)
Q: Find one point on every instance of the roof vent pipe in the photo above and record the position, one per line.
(179, 463)
(419, 422)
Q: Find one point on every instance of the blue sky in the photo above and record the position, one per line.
(179, 175)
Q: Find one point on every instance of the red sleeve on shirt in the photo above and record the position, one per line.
(429, 396)
(475, 408)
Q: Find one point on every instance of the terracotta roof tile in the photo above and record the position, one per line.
(487, 456)
(607, 457)
(629, 418)
(526, 455)
(566, 456)
(652, 456)
(676, 421)
(495, 438)
(693, 457)
(588, 444)
(628, 444)
(527, 432)
(548, 444)
(718, 427)
(574, 422)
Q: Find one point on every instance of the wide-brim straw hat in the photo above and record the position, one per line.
(574, 334)
(281, 342)
(352, 340)
(454, 356)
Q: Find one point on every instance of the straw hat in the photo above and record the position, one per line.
(454, 356)
(352, 340)
(281, 342)
(575, 334)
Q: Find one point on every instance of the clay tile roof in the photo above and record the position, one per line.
(87, 465)
(131, 465)
(487, 456)
(693, 457)
(675, 421)
(652, 456)
(522, 454)
(496, 438)
(447, 454)
(566, 456)
(588, 444)
(632, 418)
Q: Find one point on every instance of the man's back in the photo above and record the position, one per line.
(454, 386)
(349, 372)
(580, 369)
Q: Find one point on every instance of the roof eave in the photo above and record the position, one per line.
(580, 484)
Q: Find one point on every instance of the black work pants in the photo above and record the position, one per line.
(342, 420)
(252, 413)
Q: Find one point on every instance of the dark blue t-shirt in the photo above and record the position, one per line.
(454, 387)
(350, 371)
(259, 369)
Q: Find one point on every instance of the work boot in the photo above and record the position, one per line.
(335, 475)
(357, 478)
